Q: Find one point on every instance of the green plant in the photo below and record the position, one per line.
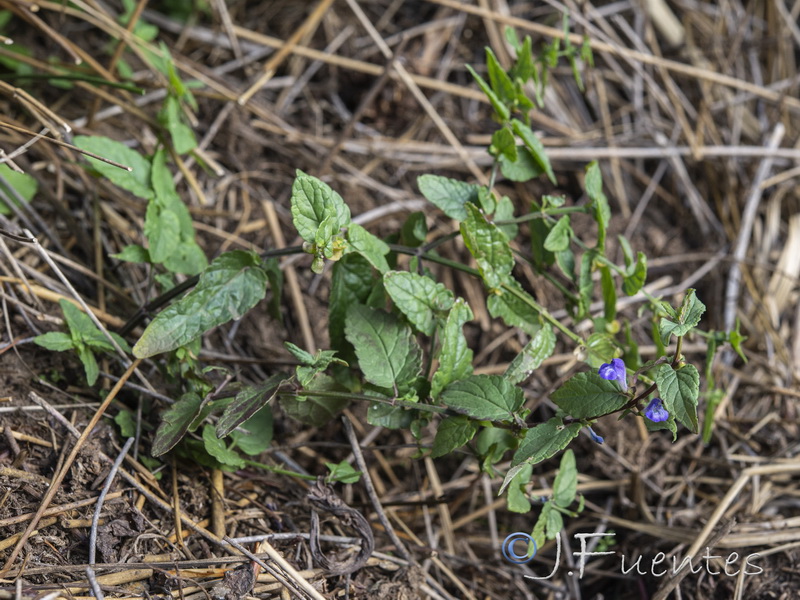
(397, 336)
(83, 337)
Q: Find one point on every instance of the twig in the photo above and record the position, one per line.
(743, 239)
(370, 489)
(99, 506)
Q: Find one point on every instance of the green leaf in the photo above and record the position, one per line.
(452, 433)
(311, 365)
(498, 78)
(609, 293)
(21, 183)
(558, 238)
(594, 189)
(497, 104)
(484, 397)
(313, 201)
(419, 298)
(89, 363)
(183, 139)
(539, 347)
(163, 232)
(637, 274)
(219, 451)
(414, 230)
(492, 443)
(126, 423)
(259, 433)
(352, 281)
(687, 317)
(523, 67)
(679, 389)
(315, 410)
(455, 357)
(133, 253)
(504, 212)
(188, 258)
(342, 472)
(80, 324)
(540, 443)
(54, 340)
(736, 339)
(370, 247)
(517, 498)
(136, 181)
(534, 144)
(304, 357)
(522, 168)
(565, 486)
(588, 395)
(247, 403)
(449, 195)
(380, 414)
(387, 353)
(275, 276)
(175, 421)
(489, 245)
(514, 311)
(231, 285)
(504, 144)
(601, 348)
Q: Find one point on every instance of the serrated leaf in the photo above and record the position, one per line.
(601, 348)
(517, 500)
(163, 232)
(558, 238)
(686, 317)
(219, 450)
(539, 348)
(312, 202)
(247, 403)
(504, 144)
(387, 353)
(133, 253)
(497, 104)
(54, 340)
(136, 181)
(484, 397)
(352, 281)
(498, 78)
(231, 285)
(679, 390)
(188, 258)
(602, 212)
(540, 443)
(523, 168)
(380, 414)
(449, 195)
(514, 311)
(370, 247)
(455, 357)
(304, 357)
(489, 246)
(637, 274)
(175, 421)
(565, 485)
(588, 395)
(452, 433)
(419, 298)
(315, 410)
(259, 433)
(534, 144)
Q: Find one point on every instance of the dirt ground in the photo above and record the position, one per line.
(694, 117)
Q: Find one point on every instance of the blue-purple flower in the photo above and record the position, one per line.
(655, 411)
(615, 371)
(594, 436)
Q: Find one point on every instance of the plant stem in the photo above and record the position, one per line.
(278, 470)
(543, 312)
